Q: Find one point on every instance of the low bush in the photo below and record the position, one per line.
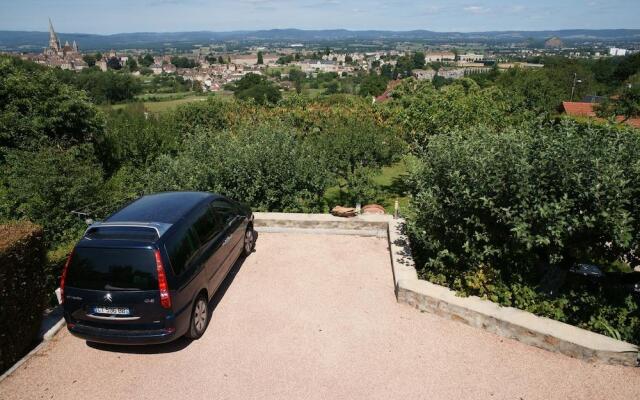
(496, 214)
(267, 166)
(22, 289)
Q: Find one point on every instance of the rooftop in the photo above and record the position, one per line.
(166, 208)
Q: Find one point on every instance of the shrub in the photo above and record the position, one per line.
(267, 166)
(493, 213)
(22, 289)
(45, 186)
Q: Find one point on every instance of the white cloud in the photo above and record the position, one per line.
(476, 9)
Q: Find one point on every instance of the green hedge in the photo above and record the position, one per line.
(499, 214)
(22, 289)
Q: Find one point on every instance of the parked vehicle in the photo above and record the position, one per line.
(146, 274)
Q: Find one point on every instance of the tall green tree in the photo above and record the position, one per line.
(36, 108)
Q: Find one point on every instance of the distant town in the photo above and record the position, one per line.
(210, 67)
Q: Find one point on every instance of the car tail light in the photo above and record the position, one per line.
(64, 276)
(165, 298)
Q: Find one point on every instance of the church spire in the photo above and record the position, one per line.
(54, 43)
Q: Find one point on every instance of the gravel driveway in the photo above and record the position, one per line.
(314, 317)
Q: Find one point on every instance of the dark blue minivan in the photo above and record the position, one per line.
(146, 274)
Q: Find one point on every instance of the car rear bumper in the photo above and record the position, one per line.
(122, 336)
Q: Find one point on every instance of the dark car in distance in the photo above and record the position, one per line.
(146, 274)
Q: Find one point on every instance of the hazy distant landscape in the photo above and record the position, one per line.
(30, 40)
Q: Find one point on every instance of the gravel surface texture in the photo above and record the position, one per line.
(315, 317)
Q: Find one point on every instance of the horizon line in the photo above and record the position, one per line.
(332, 29)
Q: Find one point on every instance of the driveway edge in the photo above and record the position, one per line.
(52, 322)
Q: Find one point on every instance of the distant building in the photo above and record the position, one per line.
(434, 56)
(65, 57)
(169, 68)
(424, 74)
(451, 73)
(614, 51)
(471, 57)
(156, 68)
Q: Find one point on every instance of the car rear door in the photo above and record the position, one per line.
(114, 288)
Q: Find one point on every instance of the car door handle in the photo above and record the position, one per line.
(226, 240)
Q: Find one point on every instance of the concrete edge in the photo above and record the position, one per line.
(53, 319)
(323, 231)
(509, 322)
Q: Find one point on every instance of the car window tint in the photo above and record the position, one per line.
(207, 225)
(112, 269)
(181, 246)
(225, 210)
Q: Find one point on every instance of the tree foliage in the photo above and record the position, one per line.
(256, 87)
(36, 108)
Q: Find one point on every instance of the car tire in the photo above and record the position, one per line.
(249, 241)
(199, 318)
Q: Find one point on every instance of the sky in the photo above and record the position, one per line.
(116, 16)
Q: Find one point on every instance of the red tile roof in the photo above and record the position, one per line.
(387, 93)
(579, 109)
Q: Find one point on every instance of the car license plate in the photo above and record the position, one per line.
(111, 310)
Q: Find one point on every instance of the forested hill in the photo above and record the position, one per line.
(31, 41)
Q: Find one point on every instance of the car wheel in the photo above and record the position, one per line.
(199, 318)
(249, 241)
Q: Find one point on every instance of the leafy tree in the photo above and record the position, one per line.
(90, 59)
(104, 87)
(147, 60)
(297, 77)
(114, 63)
(387, 71)
(532, 90)
(332, 88)
(373, 85)
(132, 138)
(183, 62)
(260, 58)
(35, 108)
(426, 111)
(418, 60)
(46, 185)
(283, 60)
(348, 59)
(404, 67)
(132, 65)
(220, 60)
(626, 104)
(258, 88)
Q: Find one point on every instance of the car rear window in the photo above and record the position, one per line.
(112, 269)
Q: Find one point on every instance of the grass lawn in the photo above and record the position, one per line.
(159, 106)
(389, 182)
(172, 100)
